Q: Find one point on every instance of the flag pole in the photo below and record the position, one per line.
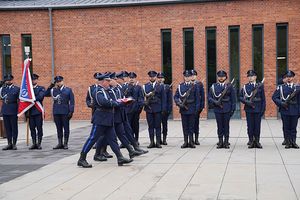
(27, 131)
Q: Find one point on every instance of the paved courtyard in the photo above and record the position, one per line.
(168, 173)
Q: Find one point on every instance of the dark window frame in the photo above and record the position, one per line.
(4, 72)
(184, 31)
(210, 28)
(287, 47)
(237, 79)
(167, 30)
(263, 33)
(23, 36)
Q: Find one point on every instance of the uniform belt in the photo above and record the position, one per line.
(225, 100)
(293, 102)
(190, 101)
(106, 109)
(256, 99)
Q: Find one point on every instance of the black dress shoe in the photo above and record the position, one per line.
(107, 155)
(158, 146)
(83, 163)
(249, 142)
(151, 145)
(8, 147)
(251, 145)
(184, 145)
(33, 147)
(100, 158)
(197, 142)
(258, 145)
(295, 145)
(283, 143)
(59, 146)
(122, 160)
(14, 147)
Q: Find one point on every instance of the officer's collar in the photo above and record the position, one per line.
(252, 83)
(61, 87)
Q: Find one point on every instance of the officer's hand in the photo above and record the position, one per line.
(284, 104)
(248, 103)
(70, 115)
(51, 85)
(217, 103)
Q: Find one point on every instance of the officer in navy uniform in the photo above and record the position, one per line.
(223, 108)
(9, 94)
(138, 99)
(202, 104)
(165, 115)
(103, 123)
(63, 109)
(89, 100)
(255, 107)
(134, 109)
(287, 98)
(187, 98)
(36, 116)
(116, 94)
(155, 104)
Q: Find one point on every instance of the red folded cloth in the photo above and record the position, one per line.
(126, 100)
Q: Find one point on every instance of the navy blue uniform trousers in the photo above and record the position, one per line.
(253, 124)
(223, 124)
(62, 125)
(36, 126)
(11, 128)
(101, 135)
(188, 122)
(290, 123)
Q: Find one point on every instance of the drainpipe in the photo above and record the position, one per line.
(51, 42)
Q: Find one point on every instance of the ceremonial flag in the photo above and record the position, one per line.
(27, 97)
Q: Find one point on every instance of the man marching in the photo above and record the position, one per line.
(89, 99)
(223, 99)
(187, 98)
(9, 94)
(36, 116)
(63, 109)
(103, 123)
(287, 98)
(202, 104)
(253, 96)
(155, 104)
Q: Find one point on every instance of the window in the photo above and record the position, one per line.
(26, 44)
(282, 49)
(166, 55)
(6, 55)
(234, 61)
(258, 50)
(211, 61)
(188, 34)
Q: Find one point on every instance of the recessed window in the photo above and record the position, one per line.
(282, 49)
(258, 50)
(166, 54)
(6, 55)
(188, 35)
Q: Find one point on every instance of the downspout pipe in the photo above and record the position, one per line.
(51, 43)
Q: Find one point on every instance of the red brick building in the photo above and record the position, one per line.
(77, 38)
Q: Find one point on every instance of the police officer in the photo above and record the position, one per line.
(287, 98)
(89, 99)
(9, 94)
(223, 99)
(116, 95)
(165, 115)
(138, 97)
(187, 98)
(155, 104)
(36, 115)
(63, 109)
(202, 104)
(103, 123)
(253, 96)
(134, 109)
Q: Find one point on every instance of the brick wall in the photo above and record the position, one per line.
(128, 38)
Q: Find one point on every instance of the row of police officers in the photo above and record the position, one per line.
(117, 100)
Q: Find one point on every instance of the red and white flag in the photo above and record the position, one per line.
(27, 97)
